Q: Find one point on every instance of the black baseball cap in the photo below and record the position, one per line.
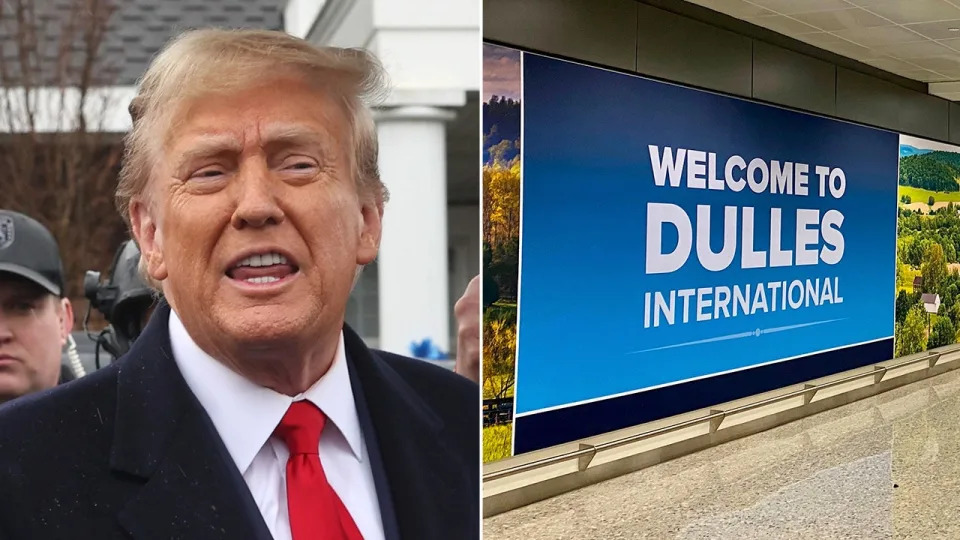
(29, 250)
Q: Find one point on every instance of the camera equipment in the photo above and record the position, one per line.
(124, 300)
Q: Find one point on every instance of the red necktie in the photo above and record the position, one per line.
(316, 512)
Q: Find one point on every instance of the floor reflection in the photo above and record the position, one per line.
(851, 500)
(884, 467)
(926, 470)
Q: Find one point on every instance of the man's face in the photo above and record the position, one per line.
(33, 329)
(252, 220)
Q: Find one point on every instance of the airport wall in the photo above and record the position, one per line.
(605, 334)
(682, 42)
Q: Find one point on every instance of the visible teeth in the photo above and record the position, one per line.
(263, 260)
(264, 279)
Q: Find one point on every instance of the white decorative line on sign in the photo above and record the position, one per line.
(755, 333)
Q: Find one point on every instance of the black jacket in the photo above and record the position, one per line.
(128, 452)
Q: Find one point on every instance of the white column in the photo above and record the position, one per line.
(413, 268)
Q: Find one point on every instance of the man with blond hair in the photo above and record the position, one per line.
(247, 408)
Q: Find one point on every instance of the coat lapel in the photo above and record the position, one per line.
(427, 480)
(191, 488)
(164, 437)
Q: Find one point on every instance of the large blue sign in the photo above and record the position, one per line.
(670, 234)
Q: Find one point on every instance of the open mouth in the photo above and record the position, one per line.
(263, 268)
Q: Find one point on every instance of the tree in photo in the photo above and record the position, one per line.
(505, 267)
(954, 313)
(934, 269)
(499, 350)
(915, 252)
(900, 273)
(502, 201)
(934, 171)
(943, 333)
(930, 201)
(501, 122)
(949, 252)
(912, 334)
(904, 302)
(501, 212)
(58, 164)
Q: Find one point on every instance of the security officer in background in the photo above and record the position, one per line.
(35, 316)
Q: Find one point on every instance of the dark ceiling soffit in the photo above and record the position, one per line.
(726, 22)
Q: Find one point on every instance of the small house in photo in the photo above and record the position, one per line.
(931, 302)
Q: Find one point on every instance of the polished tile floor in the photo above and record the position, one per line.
(884, 467)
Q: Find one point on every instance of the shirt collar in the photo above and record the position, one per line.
(244, 413)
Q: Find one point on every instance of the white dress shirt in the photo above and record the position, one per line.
(246, 414)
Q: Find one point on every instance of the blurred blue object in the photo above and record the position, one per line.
(427, 350)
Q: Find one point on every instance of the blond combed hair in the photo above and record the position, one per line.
(200, 62)
(205, 61)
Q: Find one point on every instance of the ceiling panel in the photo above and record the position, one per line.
(916, 49)
(937, 30)
(821, 38)
(942, 64)
(918, 39)
(783, 24)
(878, 36)
(953, 43)
(893, 65)
(841, 19)
(914, 11)
(791, 7)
